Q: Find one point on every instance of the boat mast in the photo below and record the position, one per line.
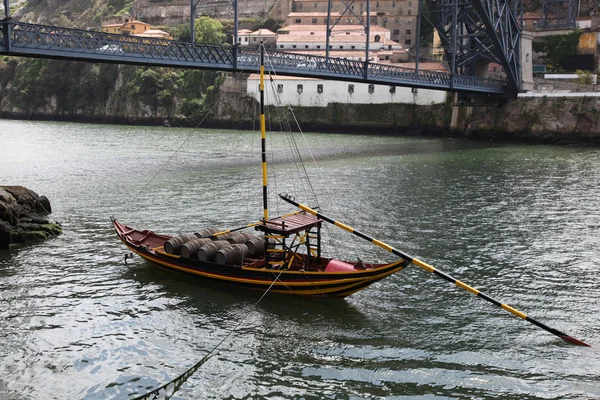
(263, 131)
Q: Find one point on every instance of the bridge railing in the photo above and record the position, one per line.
(51, 41)
(25, 36)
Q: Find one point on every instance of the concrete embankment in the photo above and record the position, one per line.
(551, 118)
(545, 119)
(564, 119)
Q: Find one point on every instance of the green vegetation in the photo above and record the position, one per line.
(78, 88)
(556, 47)
(584, 77)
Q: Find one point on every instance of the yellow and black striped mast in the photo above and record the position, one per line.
(263, 132)
(437, 272)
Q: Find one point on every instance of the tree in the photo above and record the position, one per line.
(209, 31)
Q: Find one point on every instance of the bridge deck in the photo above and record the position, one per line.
(32, 40)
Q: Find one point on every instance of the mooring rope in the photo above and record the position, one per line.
(181, 379)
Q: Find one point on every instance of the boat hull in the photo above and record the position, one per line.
(148, 245)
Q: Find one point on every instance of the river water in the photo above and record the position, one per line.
(518, 222)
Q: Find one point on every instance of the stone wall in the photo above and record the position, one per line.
(538, 119)
(178, 11)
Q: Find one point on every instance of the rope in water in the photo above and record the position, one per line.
(181, 379)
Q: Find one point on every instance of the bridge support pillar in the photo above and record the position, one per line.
(5, 26)
(527, 83)
(461, 113)
(483, 69)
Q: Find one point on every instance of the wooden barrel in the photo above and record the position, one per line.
(206, 232)
(236, 238)
(231, 255)
(249, 236)
(190, 249)
(173, 245)
(256, 246)
(208, 251)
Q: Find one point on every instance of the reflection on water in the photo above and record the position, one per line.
(517, 222)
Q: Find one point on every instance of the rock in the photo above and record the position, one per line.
(23, 216)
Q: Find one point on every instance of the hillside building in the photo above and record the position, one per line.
(399, 16)
(131, 27)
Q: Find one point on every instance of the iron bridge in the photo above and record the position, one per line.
(42, 41)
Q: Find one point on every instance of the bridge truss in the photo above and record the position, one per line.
(473, 33)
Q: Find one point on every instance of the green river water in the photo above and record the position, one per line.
(519, 222)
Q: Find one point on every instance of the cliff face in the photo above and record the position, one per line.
(543, 118)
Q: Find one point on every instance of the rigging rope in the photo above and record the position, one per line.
(298, 161)
(162, 167)
(181, 379)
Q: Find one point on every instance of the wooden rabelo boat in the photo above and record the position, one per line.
(284, 257)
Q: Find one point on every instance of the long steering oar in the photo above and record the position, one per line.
(437, 272)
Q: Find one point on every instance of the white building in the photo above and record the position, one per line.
(244, 37)
(308, 92)
(344, 37)
(247, 38)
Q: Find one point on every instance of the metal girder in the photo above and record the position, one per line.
(475, 30)
(558, 14)
(32, 40)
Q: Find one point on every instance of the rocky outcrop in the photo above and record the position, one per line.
(539, 119)
(22, 216)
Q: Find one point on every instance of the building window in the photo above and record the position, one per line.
(279, 88)
(387, 57)
(132, 26)
(314, 20)
(353, 47)
(318, 46)
(319, 88)
(245, 39)
(377, 38)
(396, 31)
(293, 46)
(371, 89)
(377, 5)
(341, 47)
(254, 39)
(298, 20)
(300, 89)
(350, 89)
(409, 12)
(306, 46)
(393, 4)
(407, 42)
(392, 89)
(315, 5)
(281, 46)
(408, 32)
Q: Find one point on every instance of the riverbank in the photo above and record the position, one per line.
(543, 120)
